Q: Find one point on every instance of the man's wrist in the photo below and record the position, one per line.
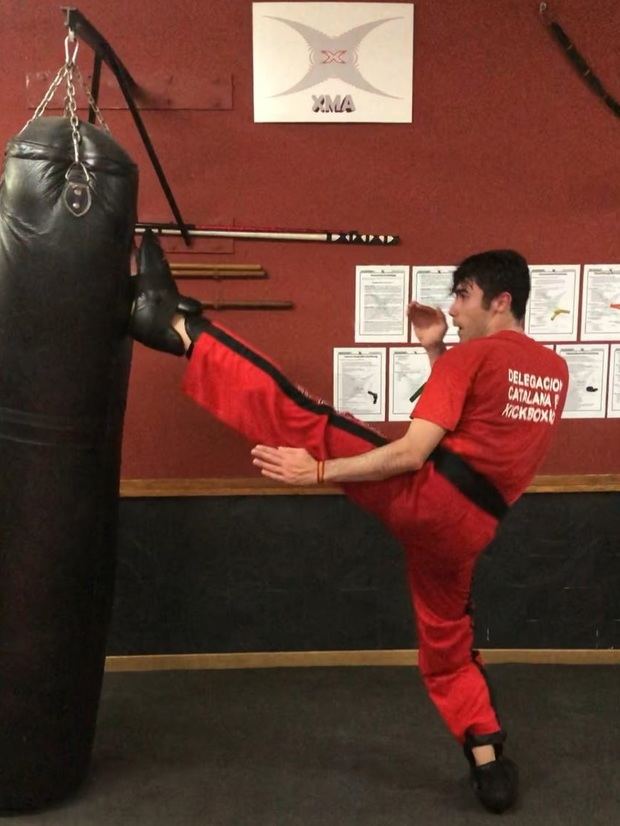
(435, 351)
(328, 470)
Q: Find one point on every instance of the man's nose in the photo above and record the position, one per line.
(451, 309)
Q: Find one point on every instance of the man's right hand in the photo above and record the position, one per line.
(429, 325)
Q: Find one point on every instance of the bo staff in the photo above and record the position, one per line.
(216, 274)
(240, 304)
(197, 265)
(578, 60)
(271, 234)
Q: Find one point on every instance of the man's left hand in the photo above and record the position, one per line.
(291, 465)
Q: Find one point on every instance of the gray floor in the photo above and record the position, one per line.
(340, 746)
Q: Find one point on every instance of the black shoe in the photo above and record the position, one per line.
(158, 300)
(496, 784)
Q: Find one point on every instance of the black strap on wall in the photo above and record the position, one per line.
(579, 62)
(94, 87)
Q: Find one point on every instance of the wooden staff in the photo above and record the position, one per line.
(240, 304)
(217, 272)
(197, 265)
(217, 275)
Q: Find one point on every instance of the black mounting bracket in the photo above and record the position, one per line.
(76, 22)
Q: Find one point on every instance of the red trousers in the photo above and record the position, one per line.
(441, 531)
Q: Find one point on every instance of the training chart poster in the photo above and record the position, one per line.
(433, 286)
(551, 313)
(359, 382)
(381, 298)
(409, 371)
(333, 62)
(587, 380)
(600, 303)
(613, 399)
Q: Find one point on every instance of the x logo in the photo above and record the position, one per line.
(331, 63)
(334, 57)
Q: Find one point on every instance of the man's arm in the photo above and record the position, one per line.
(295, 466)
(430, 327)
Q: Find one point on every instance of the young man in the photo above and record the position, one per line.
(479, 431)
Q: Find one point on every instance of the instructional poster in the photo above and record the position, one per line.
(433, 286)
(613, 400)
(600, 303)
(381, 298)
(409, 370)
(359, 382)
(551, 313)
(587, 383)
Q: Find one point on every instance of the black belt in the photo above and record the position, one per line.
(472, 484)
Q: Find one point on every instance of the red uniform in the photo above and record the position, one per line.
(498, 397)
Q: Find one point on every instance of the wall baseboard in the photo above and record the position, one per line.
(314, 659)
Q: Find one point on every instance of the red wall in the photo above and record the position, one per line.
(508, 148)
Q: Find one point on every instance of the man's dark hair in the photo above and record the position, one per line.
(496, 272)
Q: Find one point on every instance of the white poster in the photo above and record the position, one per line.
(433, 286)
(551, 313)
(600, 303)
(333, 62)
(409, 370)
(359, 382)
(613, 400)
(587, 380)
(381, 298)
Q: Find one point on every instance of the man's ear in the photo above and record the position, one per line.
(502, 303)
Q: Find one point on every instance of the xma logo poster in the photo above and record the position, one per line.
(333, 62)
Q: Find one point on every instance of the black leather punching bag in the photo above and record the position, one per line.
(65, 299)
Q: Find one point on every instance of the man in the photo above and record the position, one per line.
(479, 431)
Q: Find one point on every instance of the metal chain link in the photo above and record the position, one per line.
(71, 110)
(47, 96)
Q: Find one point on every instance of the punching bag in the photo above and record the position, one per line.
(66, 233)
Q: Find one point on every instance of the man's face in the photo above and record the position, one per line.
(468, 313)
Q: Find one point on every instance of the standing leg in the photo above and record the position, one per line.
(452, 669)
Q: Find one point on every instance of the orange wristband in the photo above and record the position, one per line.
(320, 471)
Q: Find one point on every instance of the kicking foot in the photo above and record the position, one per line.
(496, 784)
(158, 301)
